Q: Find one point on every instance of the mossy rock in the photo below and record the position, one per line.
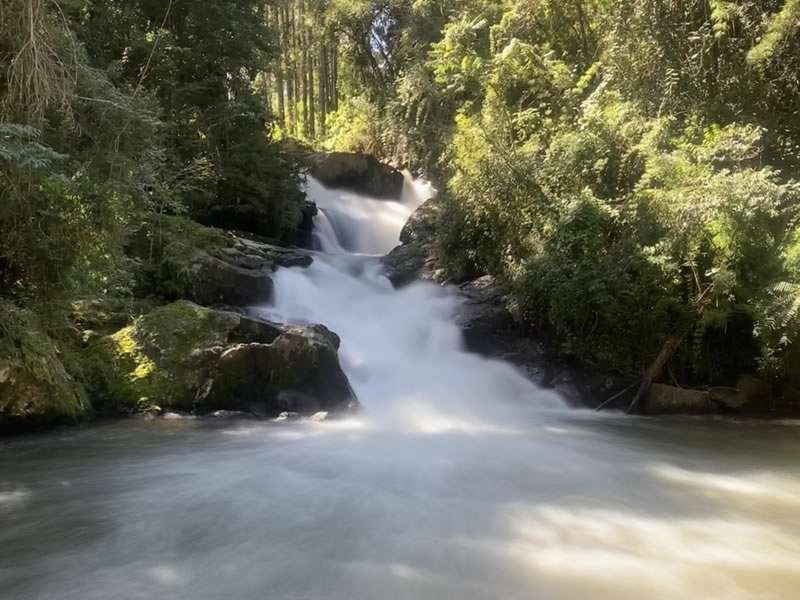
(106, 314)
(35, 388)
(184, 260)
(181, 357)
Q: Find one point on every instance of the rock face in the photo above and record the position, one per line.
(184, 260)
(189, 358)
(35, 386)
(415, 259)
(490, 328)
(361, 173)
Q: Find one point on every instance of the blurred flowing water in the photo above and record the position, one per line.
(460, 479)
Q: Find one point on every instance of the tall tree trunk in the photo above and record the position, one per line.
(310, 74)
(287, 51)
(279, 74)
(323, 88)
(295, 70)
(304, 66)
(330, 84)
(336, 77)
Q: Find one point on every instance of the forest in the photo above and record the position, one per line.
(629, 169)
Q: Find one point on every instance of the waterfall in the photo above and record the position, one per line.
(401, 349)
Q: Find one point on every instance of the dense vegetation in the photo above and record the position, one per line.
(110, 111)
(628, 168)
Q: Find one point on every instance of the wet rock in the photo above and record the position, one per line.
(416, 258)
(287, 416)
(421, 225)
(207, 280)
(361, 173)
(485, 317)
(183, 357)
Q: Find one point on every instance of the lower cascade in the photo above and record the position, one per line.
(459, 479)
(401, 349)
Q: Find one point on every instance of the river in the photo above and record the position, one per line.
(459, 480)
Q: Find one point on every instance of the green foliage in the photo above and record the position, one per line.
(616, 163)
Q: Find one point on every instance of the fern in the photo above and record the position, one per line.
(19, 148)
(722, 15)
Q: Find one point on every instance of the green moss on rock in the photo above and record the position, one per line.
(35, 387)
(158, 361)
(186, 357)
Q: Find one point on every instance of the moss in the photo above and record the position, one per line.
(160, 360)
(107, 314)
(35, 386)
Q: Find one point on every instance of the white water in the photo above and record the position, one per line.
(401, 349)
(459, 481)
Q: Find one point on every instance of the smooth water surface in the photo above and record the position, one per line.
(572, 506)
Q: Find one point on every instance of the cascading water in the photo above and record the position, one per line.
(401, 348)
(460, 480)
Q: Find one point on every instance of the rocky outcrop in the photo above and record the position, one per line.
(188, 358)
(490, 327)
(416, 258)
(361, 173)
(35, 387)
(184, 260)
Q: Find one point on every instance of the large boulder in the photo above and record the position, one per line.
(361, 173)
(189, 358)
(416, 259)
(35, 387)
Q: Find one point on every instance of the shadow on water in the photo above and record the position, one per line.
(563, 506)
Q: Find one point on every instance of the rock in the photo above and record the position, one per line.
(106, 314)
(188, 358)
(666, 399)
(485, 317)
(421, 225)
(287, 416)
(207, 280)
(416, 259)
(361, 173)
(35, 387)
(184, 260)
(490, 328)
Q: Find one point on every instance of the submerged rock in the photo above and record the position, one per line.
(189, 358)
(361, 173)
